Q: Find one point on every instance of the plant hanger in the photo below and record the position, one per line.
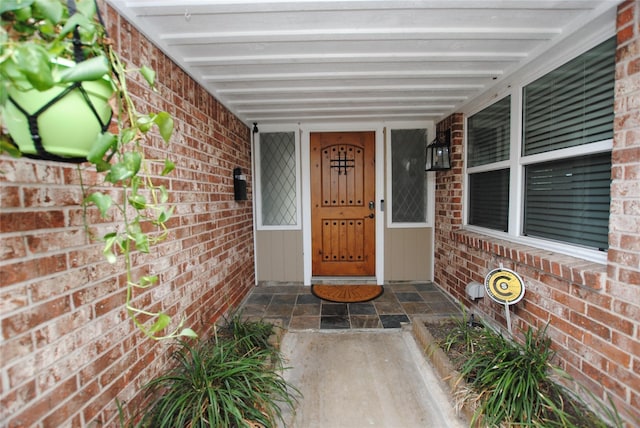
(32, 118)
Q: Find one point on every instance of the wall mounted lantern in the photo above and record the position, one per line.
(439, 152)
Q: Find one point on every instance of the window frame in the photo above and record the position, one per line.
(517, 162)
(430, 182)
(258, 183)
(488, 167)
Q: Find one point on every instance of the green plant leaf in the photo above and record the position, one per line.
(118, 172)
(52, 10)
(144, 122)
(148, 280)
(86, 8)
(164, 194)
(33, 61)
(110, 240)
(7, 147)
(11, 5)
(138, 201)
(104, 142)
(142, 242)
(163, 217)
(127, 168)
(133, 160)
(49, 29)
(161, 323)
(168, 167)
(102, 201)
(149, 75)
(165, 124)
(187, 332)
(127, 135)
(102, 165)
(77, 20)
(90, 69)
(23, 15)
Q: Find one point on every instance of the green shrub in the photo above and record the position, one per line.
(514, 384)
(229, 381)
(465, 334)
(249, 335)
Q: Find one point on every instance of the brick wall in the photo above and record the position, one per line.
(67, 347)
(593, 310)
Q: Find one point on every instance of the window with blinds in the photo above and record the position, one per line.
(489, 132)
(572, 105)
(489, 199)
(561, 160)
(489, 142)
(568, 199)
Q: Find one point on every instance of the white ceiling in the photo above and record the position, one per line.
(272, 61)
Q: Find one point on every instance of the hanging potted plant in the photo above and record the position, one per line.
(56, 78)
(57, 51)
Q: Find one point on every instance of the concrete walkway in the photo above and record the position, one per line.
(364, 378)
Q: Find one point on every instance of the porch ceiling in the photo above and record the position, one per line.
(278, 61)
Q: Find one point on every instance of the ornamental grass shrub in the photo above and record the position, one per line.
(233, 380)
(515, 383)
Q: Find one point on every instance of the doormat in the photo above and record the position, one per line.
(347, 293)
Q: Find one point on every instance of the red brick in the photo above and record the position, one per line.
(598, 299)
(47, 403)
(629, 276)
(628, 310)
(32, 269)
(590, 325)
(610, 320)
(566, 327)
(16, 347)
(110, 303)
(625, 16)
(573, 303)
(628, 343)
(625, 34)
(9, 196)
(603, 379)
(17, 399)
(31, 318)
(607, 350)
(13, 247)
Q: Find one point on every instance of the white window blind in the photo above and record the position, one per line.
(568, 200)
(489, 199)
(488, 143)
(489, 134)
(572, 105)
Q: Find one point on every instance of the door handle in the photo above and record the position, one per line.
(372, 215)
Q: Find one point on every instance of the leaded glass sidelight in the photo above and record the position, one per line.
(278, 178)
(408, 183)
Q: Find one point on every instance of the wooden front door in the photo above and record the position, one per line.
(343, 203)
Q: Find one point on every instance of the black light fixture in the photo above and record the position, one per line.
(439, 152)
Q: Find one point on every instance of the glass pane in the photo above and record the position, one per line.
(278, 178)
(489, 199)
(572, 105)
(568, 200)
(489, 134)
(408, 181)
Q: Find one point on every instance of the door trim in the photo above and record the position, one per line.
(306, 192)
